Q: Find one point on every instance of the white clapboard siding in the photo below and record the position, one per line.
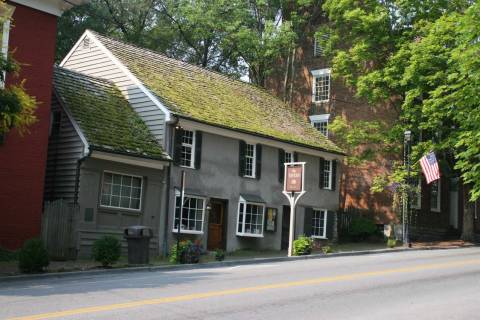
(90, 59)
(64, 150)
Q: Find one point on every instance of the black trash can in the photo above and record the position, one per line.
(138, 240)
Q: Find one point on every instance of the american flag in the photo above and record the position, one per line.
(430, 168)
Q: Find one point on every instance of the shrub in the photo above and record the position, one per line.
(107, 250)
(7, 255)
(33, 257)
(189, 252)
(327, 249)
(391, 243)
(219, 255)
(362, 229)
(302, 246)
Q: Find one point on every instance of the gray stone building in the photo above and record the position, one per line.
(229, 137)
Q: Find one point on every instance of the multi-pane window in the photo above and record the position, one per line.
(188, 147)
(416, 202)
(319, 223)
(435, 196)
(322, 126)
(321, 85)
(192, 214)
(250, 155)
(320, 122)
(250, 219)
(317, 45)
(288, 157)
(4, 32)
(121, 191)
(327, 174)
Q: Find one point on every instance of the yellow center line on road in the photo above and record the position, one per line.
(281, 285)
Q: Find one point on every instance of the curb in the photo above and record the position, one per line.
(218, 264)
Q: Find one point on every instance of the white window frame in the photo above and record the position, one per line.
(254, 160)
(243, 214)
(317, 50)
(320, 118)
(291, 155)
(418, 192)
(186, 231)
(330, 173)
(325, 212)
(317, 74)
(187, 145)
(439, 197)
(4, 45)
(120, 207)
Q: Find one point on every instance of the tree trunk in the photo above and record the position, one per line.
(285, 80)
(292, 77)
(468, 233)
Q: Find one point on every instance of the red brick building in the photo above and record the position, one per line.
(317, 96)
(30, 38)
(437, 211)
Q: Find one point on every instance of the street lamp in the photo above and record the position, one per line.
(406, 203)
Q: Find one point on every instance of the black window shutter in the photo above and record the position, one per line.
(334, 174)
(241, 158)
(198, 149)
(330, 224)
(177, 146)
(258, 161)
(321, 168)
(295, 157)
(281, 166)
(307, 222)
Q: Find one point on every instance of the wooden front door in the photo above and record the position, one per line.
(285, 227)
(216, 222)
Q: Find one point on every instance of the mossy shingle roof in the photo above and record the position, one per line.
(105, 118)
(199, 94)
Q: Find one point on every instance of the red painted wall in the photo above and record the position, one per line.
(23, 159)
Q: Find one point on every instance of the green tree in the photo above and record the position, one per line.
(418, 58)
(235, 37)
(17, 108)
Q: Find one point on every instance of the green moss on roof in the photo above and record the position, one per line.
(213, 98)
(105, 118)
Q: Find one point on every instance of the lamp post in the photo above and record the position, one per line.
(406, 203)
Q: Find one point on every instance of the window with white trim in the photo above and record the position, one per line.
(187, 154)
(192, 215)
(317, 44)
(320, 122)
(250, 160)
(121, 191)
(327, 174)
(319, 223)
(416, 202)
(288, 157)
(321, 85)
(250, 219)
(435, 196)
(4, 33)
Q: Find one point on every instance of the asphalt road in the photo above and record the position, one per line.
(442, 284)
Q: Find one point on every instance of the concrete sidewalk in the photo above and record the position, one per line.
(240, 261)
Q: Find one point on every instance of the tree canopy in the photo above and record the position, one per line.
(421, 59)
(236, 37)
(17, 108)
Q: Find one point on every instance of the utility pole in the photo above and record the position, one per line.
(407, 198)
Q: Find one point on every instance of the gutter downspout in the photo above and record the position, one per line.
(77, 176)
(174, 122)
